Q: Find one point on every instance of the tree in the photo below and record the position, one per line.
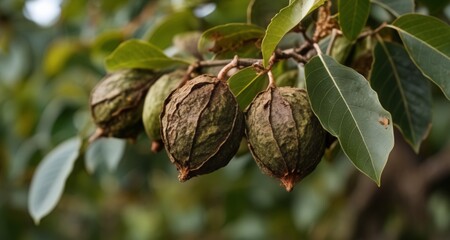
(377, 79)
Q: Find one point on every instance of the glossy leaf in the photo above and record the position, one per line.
(396, 7)
(50, 177)
(403, 91)
(229, 37)
(165, 30)
(139, 54)
(245, 84)
(104, 150)
(353, 15)
(350, 110)
(427, 40)
(283, 22)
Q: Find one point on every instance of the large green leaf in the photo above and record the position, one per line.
(403, 91)
(283, 22)
(162, 34)
(353, 15)
(427, 40)
(396, 7)
(106, 151)
(350, 110)
(50, 177)
(245, 84)
(139, 54)
(229, 37)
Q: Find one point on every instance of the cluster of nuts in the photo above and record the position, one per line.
(200, 124)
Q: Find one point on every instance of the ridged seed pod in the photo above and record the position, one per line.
(201, 126)
(285, 137)
(116, 102)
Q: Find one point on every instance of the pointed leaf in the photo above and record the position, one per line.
(353, 15)
(396, 7)
(139, 54)
(427, 41)
(229, 37)
(245, 84)
(349, 109)
(283, 22)
(105, 150)
(403, 91)
(50, 177)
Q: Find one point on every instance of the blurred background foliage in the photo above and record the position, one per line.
(48, 67)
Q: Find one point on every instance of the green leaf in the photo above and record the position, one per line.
(245, 84)
(427, 41)
(229, 37)
(104, 150)
(350, 110)
(353, 15)
(396, 7)
(162, 34)
(283, 22)
(403, 91)
(139, 54)
(50, 177)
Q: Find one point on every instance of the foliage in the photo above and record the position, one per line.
(370, 68)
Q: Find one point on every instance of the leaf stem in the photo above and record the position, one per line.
(316, 46)
(271, 79)
(372, 32)
(334, 34)
(223, 72)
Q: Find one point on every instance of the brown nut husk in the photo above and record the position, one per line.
(154, 102)
(117, 101)
(285, 137)
(201, 126)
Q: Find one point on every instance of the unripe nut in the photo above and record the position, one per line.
(154, 102)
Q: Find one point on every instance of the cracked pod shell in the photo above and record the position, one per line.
(201, 126)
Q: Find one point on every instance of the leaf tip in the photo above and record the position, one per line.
(378, 182)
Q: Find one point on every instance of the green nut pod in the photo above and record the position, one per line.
(285, 137)
(154, 102)
(201, 126)
(117, 101)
